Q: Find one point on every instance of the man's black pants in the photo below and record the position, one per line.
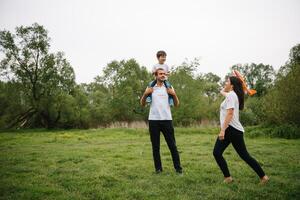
(166, 127)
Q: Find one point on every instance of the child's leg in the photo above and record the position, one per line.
(168, 85)
(149, 97)
(153, 83)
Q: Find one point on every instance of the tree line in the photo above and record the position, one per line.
(38, 89)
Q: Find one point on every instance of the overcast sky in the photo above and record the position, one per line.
(221, 33)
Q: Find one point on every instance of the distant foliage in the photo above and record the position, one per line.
(38, 89)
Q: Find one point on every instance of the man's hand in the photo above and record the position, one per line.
(171, 91)
(148, 91)
(222, 135)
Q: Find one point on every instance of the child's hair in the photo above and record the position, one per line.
(161, 53)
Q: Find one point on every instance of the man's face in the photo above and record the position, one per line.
(161, 75)
(162, 59)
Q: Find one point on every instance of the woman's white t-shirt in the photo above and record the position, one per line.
(231, 101)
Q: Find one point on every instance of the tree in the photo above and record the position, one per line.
(258, 76)
(282, 104)
(120, 87)
(44, 76)
(211, 85)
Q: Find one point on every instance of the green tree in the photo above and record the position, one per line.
(258, 76)
(197, 94)
(44, 76)
(282, 104)
(120, 88)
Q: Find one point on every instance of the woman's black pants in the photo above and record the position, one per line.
(235, 137)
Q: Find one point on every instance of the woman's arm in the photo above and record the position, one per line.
(223, 92)
(227, 120)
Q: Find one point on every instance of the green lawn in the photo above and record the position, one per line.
(117, 164)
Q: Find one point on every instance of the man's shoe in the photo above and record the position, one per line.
(158, 171)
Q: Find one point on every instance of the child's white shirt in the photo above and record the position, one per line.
(162, 66)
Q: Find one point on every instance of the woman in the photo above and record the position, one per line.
(232, 130)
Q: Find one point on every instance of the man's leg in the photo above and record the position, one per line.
(168, 132)
(155, 141)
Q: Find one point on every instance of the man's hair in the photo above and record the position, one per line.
(161, 53)
(155, 73)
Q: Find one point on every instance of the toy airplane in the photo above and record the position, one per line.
(251, 92)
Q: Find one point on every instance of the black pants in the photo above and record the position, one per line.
(235, 137)
(166, 127)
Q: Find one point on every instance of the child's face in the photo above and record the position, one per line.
(162, 59)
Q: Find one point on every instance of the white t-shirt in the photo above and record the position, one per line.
(163, 66)
(160, 107)
(231, 101)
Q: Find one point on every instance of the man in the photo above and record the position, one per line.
(160, 120)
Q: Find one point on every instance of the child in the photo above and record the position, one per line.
(161, 57)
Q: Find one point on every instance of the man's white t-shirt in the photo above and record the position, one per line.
(162, 66)
(160, 107)
(231, 101)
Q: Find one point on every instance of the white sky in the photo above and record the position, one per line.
(221, 33)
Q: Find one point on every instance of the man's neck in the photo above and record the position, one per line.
(159, 83)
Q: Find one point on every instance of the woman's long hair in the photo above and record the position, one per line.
(238, 89)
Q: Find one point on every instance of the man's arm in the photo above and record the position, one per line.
(172, 92)
(148, 91)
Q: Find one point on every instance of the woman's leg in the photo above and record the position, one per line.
(237, 139)
(219, 148)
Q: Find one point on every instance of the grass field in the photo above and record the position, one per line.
(117, 164)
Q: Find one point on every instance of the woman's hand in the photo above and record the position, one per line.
(222, 135)
(223, 92)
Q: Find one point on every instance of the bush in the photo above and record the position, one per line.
(287, 131)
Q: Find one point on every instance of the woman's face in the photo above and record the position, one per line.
(228, 87)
